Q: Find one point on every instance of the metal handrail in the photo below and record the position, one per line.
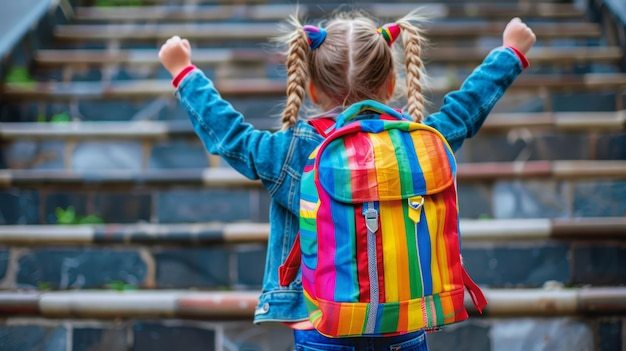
(241, 304)
(600, 228)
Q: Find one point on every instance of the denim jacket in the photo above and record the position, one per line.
(278, 158)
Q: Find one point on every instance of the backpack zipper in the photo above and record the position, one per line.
(371, 222)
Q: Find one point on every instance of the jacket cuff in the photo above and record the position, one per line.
(521, 57)
(176, 81)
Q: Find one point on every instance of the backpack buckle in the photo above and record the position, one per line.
(415, 212)
(371, 217)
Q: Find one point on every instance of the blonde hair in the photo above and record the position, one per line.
(352, 64)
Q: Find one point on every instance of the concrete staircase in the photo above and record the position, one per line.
(118, 232)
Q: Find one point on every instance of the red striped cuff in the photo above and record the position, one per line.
(176, 81)
(521, 57)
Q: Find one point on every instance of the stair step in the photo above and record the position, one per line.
(259, 87)
(253, 2)
(241, 304)
(261, 32)
(155, 131)
(224, 178)
(514, 263)
(281, 11)
(198, 234)
(217, 56)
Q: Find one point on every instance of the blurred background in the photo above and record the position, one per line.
(119, 232)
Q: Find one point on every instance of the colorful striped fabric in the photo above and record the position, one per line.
(379, 229)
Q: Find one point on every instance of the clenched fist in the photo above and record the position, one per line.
(518, 35)
(175, 55)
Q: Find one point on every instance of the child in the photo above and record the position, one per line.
(347, 61)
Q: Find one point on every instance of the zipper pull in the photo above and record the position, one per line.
(371, 217)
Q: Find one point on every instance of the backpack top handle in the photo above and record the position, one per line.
(351, 113)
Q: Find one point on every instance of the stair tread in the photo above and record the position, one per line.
(281, 11)
(214, 56)
(233, 87)
(158, 130)
(227, 177)
(211, 233)
(264, 31)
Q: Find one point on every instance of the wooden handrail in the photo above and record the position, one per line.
(228, 178)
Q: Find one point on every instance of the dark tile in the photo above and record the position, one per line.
(528, 145)
(33, 338)
(475, 200)
(599, 199)
(251, 266)
(129, 207)
(473, 337)
(599, 264)
(528, 265)
(205, 205)
(109, 110)
(159, 337)
(262, 214)
(109, 207)
(193, 267)
(611, 147)
(490, 148)
(4, 263)
(19, 207)
(559, 146)
(99, 339)
(546, 333)
(610, 335)
(260, 112)
(107, 155)
(55, 202)
(530, 199)
(34, 154)
(587, 101)
(179, 154)
(79, 268)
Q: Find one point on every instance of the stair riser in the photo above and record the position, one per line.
(500, 200)
(189, 153)
(477, 334)
(515, 264)
(263, 111)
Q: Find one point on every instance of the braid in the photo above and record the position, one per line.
(297, 76)
(414, 69)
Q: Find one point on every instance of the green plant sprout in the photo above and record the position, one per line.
(20, 77)
(69, 217)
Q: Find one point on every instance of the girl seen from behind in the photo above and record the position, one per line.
(345, 61)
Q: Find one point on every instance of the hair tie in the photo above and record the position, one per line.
(390, 32)
(315, 36)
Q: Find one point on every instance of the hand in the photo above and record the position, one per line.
(175, 55)
(518, 35)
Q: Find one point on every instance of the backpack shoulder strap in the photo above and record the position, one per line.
(288, 271)
(324, 126)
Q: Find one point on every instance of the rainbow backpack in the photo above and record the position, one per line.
(379, 245)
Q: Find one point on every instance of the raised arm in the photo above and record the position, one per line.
(253, 153)
(464, 111)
